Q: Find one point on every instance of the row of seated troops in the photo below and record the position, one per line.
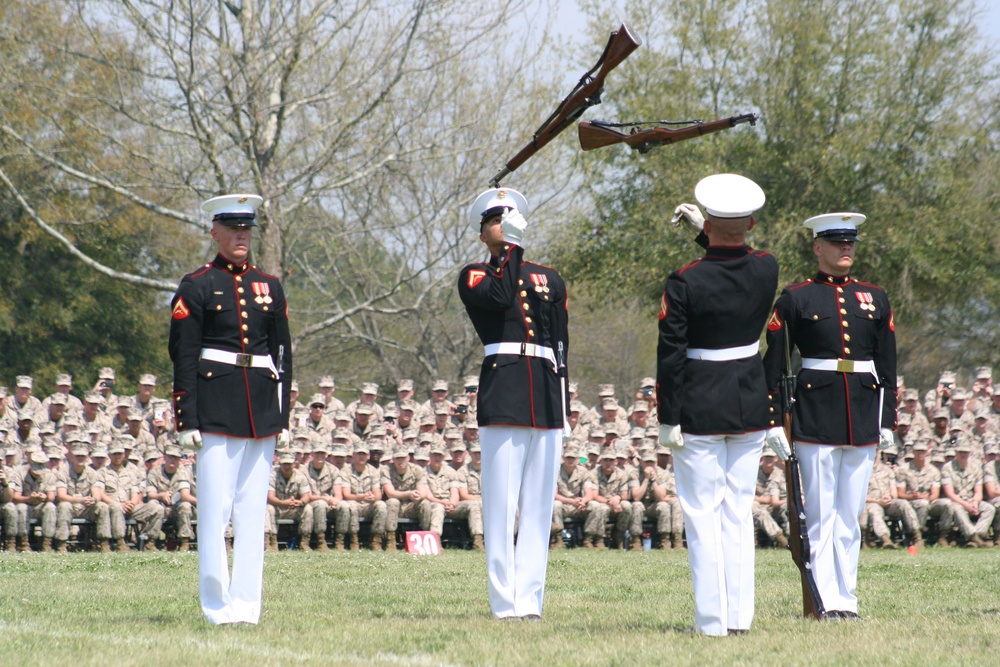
(640, 492)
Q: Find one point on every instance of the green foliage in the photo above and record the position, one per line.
(57, 315)
(885, 108)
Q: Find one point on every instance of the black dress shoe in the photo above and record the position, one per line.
(733, 632)
(832, 615)
(849, 616)
(534, 618)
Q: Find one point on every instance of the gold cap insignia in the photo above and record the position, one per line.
(242, 199)
(501, 194)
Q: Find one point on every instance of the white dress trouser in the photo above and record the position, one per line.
(233, 477)
(834, 486)
(519, 468)
(716, 480)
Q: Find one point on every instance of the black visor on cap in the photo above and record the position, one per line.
(850, 235)
(235, 219)
(490, 212)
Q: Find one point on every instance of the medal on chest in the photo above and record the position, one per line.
(541, 282)
(263, 292)
(866, 301)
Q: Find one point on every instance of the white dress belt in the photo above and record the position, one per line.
(725, 353)
(522, 350)
(239, 359)
(839, 365)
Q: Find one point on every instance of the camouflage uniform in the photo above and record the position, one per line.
(7, 510)
(471, 480)
(296, 486)
(185, 518)
(321, 483)
(964, 482)
(882, 483)
(595, 515)
(763, 519)
(667, 513)
(79, 484)
(991, 475)
(924, 480)
(26, 483)
(120, 486)
(350, 512)
(408, 481)
(440, 484)
(615, 484)
(178, 511)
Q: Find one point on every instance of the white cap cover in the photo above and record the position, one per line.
(729, 195)
(234, 207)
(495, 198)
(835, 226)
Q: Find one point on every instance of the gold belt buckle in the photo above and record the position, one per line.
(845, 366)
(243, 360)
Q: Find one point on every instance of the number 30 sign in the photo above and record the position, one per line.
(423, 543)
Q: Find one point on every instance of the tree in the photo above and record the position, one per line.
(883, 108)
(367, 127)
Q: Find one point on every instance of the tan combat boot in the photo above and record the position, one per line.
(943, 542)
(60, 546)
(104, 546)
(478, 545)
(46, 545)
(679, 542)
(304, 543)
(10, 544)
(150, 546)
(270, 542)
(390, 541)
(321, 544)
(352, 543)
(977, 542)
(183, 544)
(338, 542)
(781, 541)
(662, 541)
(120, 544)
(22, 543)
(918, 539)
(555, 540)
(635, 543)
(598, 542)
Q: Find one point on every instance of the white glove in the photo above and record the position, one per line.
(885, 438)
(284, 438)
(513, 224)
(690, 214)
(189, 439)
(670, 436)
(776, 440)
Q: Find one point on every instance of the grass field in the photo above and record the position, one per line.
(941, 607)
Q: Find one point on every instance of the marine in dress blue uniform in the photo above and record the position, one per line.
(520, 310)
(712, 396)
(845, 399)
(231, 349)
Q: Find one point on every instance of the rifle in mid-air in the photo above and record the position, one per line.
(584, 95)
(598, 133)
(798, 538)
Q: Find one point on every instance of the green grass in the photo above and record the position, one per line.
(941, 607)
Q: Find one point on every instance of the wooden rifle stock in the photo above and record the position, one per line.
(597, 134)
(798, 532)
(587, 93)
